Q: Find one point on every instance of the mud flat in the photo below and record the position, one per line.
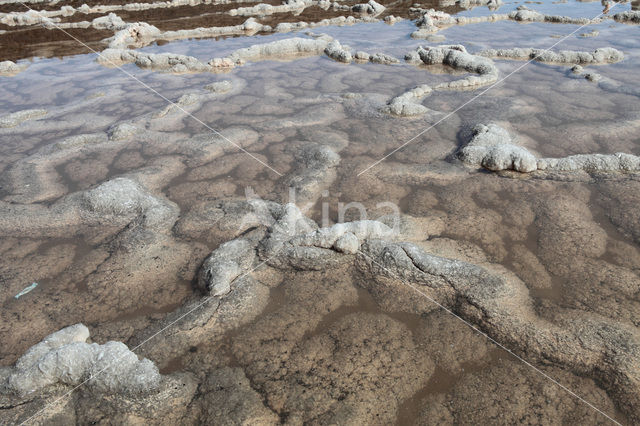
(317, 212)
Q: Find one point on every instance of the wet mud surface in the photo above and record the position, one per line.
(194, 199)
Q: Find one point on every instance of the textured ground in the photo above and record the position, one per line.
(151, 206)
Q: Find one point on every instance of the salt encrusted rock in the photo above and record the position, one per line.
(225, 264)
(16, 118)
(492, 147)
(592, 163)
(456, 56)
(267, 9)
(406, 105)
(125, 197)
(9, 68)
(248, 27)
(381, 58)
(284, 27)
(335, 51)
(629, 16)
(361, 56)
(348, 243)
(392, 19)
(65, 357)
(289, 47)
(222, 63)
(72, 334)
(371, 8)
(525, 14)
(155, 61)
(111, 22)
(593, 77)
(605, 55)
(344, 237)
(578, 71)
(30, 17)
(219, 86)
(137, 34)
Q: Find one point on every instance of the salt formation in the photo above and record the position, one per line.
(33, 17)
(154, 61)
(285, 27)
(65, 357)
(10, 68)
(433, 21)
(455, 56)
(371, 8)
(376, 58)
(16, 118)
(604, 55)
(287, 48)
(493, 148)
(248, 27)
(292, 242)
(125, 197)
(629, 16)
(335, 51)
(524, 14)
(592, 163)
(242, 264)
(407, 104)
(296, 6)
(220, 86)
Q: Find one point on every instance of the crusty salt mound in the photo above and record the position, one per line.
(9, 68)
(605, 55)
(456, 57)
(493, 148)
(65, 357)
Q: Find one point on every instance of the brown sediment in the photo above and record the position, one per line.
(44, 43)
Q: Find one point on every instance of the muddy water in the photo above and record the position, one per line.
(573, 240)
